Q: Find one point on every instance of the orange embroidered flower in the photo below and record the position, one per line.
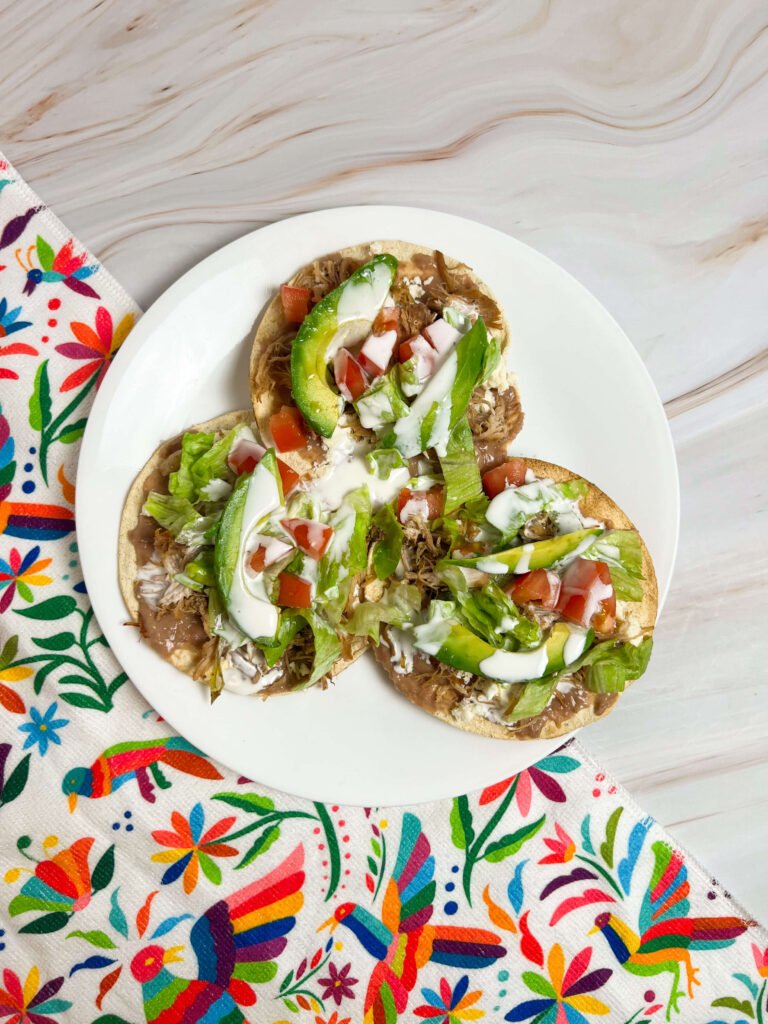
(190, 849)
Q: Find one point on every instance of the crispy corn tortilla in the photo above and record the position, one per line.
(640, 618)
(267, 397)
(185, 658)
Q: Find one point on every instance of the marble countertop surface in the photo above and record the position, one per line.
(626, 140)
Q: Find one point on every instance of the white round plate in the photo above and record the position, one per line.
(589, 404)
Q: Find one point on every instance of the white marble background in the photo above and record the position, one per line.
(627, 139)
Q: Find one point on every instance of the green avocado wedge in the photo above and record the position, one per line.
(526, 557)
(343, 317)
(254, 497)
(455, 645)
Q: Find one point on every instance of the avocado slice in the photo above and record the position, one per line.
(541, 555)
(243, 593)
(343, 317)
(455, 645)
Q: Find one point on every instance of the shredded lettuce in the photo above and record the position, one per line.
(621, 551)
(290, 624)
(181, 483)
(327, 646)
(399, 606)
(456, 319)
(383, 461)
(610, 667)
(201, 530)
(385, 553)
(533, 698)
(460, 469)
(172, 512)
(492, 615)
(411, 383)
(382, 404)
(212, 464)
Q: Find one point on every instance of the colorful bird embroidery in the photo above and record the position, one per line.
(137, 760)
(667, 936)
(237, 942)
(65, 266)
(403, 941)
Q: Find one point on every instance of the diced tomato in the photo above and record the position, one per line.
(259, 559)
(441, 335)
(406, 350)
(295, 302)
(586, 591)
(376, 353)
(350, 379)
(426, 504)
(294, 592)
(288, 429)
(509, 474)
(387, 319)
(540, 585)
(313, 538)
(288, 476)
(244, 456)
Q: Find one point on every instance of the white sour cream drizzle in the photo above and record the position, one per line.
(532, 497)
(358, 305)
(402, 651)
(520, 666)
(347, 469)
(249, 606)
(241, 676)
(438, 391)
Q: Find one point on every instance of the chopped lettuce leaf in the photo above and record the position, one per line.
(460, 469)
(533, 699)
(399, 606)
(201, 530)
(383, 461)
(327, 646)
(290, 624)
(491, 359)
(172, 512)
(383, 403)
(456, 318)
(212, 464)
(385, 552)
(302, 505)
(409, 378)
(492, 615)
(193, 445)
(621, 551)
(610, 667)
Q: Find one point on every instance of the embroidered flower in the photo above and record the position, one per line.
(43, 729)
(338, 984)
(59, 884)
(190, 849)
(761, 960)
(98, 346)
(563, 999)
(30, 1003)
(563, 848)
(19, 574)
(450, 1006)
